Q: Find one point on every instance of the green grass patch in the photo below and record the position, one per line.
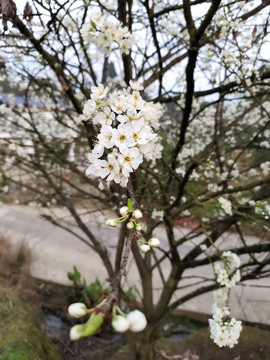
(20, 336)
(185, 321)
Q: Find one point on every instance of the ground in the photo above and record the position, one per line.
(34, 325)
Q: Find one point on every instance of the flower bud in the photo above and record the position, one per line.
(144, 248)
(124, 210)
(154, 242)
(130, 225)
(89, 328)
(112, 222)
(137, 214)
(120, 323)
(138, 227)
(76, 332)
(77, 310)
(137, 321)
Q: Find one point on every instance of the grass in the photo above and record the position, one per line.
(20, 336)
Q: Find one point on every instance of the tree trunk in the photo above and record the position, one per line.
(146, 347)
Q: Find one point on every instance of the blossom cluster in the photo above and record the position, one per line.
(230, 275)
(261, 208)
(127, 213)
(226, 205)
(223, 330)
(134, 321)
(103, 31)
(127, 132)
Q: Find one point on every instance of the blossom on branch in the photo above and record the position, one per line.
(230, 275)
(126, 135)
(105, 30)
(224, 331)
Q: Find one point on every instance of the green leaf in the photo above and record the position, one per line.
(75, 276)
(93, 25)
(129, 295)
(70, 276)
(129, 204)
(96, 290)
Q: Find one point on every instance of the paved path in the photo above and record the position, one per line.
(55, 251)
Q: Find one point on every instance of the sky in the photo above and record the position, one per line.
(198, 11)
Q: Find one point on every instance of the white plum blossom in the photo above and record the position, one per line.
(105, 136)
(220, 296)
(224, 331)
(157, 213)
(203, 247)
(98, 92)
(232, 259)
(124, 210)
(230, 275)
(265, 167)
(130, 159)
(97, 151)
(220, 312)
(135, 85)
(95, 165)
(119, 105)
(127, 128)
(141, 134)
(109, 167)
(104, 31)
(226, 205)
(89, 108)
(105, 117)
(137, 214)
(122, 136)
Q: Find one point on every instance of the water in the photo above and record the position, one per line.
(53, 326)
